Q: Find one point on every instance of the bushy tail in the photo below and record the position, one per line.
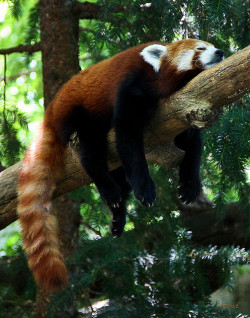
(43, 161)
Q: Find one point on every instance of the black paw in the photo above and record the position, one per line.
(111, 195)
(118, 220)
(145, 192)
(188, 191)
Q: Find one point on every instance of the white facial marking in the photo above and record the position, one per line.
(152, 54)
(207, 56)
(201, 44)
(184, 60)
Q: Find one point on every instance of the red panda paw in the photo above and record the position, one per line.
(145, 192)
(188, 191)
(111, 195)
(118, 220)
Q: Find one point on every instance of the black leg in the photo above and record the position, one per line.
(119, 213)
(189, 185)
(134, 107)
(93, 150)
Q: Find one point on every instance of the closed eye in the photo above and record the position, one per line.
(201, 48)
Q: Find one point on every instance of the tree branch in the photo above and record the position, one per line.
(15, 76)
(88, 226)
(31, 48)
(88, 10)
(208, 229)
(196, 105)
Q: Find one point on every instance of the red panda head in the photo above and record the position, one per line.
(184, 55)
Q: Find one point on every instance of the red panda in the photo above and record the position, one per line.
(121, 92)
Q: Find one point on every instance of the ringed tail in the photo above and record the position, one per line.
(42, 163)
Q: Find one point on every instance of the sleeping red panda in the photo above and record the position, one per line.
(121, 92)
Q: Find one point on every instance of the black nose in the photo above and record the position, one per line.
(220, 53)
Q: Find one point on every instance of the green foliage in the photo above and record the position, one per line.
(220, 20)
(23, 89)
(10, 146)
(33, 32)
(16, 7)
(227, 155)
(16, 286)
(153, 269)
(158, 272)
(224, 23)
(10, 240)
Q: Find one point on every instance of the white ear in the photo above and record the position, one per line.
(152, 54)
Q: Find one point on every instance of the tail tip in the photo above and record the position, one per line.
(52, 280)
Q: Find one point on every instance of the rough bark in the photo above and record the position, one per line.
(59, 44)
(88, 10)
(197, 104)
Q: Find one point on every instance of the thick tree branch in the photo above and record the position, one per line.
(30, 48)
(196, 104)
(207, 228)
(88, 10)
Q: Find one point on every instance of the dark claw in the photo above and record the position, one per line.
(188, 191)
(145, 192)
(118, 219)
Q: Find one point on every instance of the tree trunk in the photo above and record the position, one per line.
(59, 44)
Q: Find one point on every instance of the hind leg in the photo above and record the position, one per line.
(189, 185)
(93, 149)
(119, 213)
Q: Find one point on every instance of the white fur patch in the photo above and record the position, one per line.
(207, 56)
(184, 60)
(152, 54)
(201, 44)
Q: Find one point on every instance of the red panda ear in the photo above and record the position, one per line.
(152, 54)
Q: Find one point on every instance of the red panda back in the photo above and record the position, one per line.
(95, 88)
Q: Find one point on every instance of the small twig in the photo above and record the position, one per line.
(91, 228)
(15, 303)
(4, 87)
(15, 76)
(87, 30)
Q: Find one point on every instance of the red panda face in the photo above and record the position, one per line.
(208, 55)
(185, 55)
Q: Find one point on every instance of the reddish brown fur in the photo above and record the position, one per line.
(94, 89)
(39, 231)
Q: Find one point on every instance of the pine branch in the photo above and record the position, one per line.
(30, 48)
(194, 105)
